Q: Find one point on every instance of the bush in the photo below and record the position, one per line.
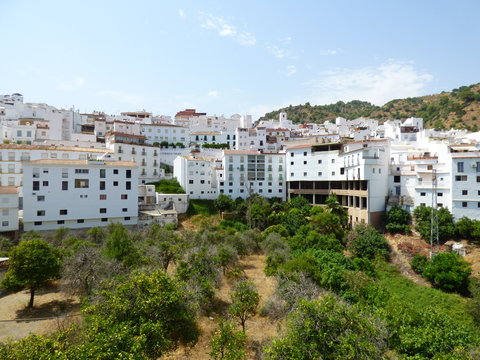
(418, 263)
(448, 271)
(446, 228)
(366, 242)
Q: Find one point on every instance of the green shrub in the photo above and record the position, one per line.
(418, 263)
(448, 271)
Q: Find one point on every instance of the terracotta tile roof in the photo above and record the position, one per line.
(82, 162)
(8, 190)
(53, 148)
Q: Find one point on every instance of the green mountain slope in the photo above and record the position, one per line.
(459, 108)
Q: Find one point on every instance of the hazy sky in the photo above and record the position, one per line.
(226, 57)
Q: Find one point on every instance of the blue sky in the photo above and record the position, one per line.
(226, 57)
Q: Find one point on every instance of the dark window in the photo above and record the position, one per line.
(45, 183)
(202, 181)
(115, 171)
(115, 183)
(63, 211)
(40, 198)
(41, 213)
(342, 171)
(464, 192)
(102, 173)
(129, 173)
(128, 185)
(124, 209)
(37, 223)
(190, 181)
(60, 222)
(396, 179)
(103, 197)
(304, 153)
(460, 166)
(464, 204)
(305, 163)
(422, 194)
(80, 221)
(124, 196)
(64, 185)
(102, 185)
(104, 219)
(126, 218)
(440, 194)
(460, 177)
(103, 210)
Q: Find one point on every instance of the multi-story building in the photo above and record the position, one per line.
(197, 176)
(246, 172)
(8, 209)
(79, 193)
(161, 132)
(356, 172)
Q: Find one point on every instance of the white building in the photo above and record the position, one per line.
(8, 209)
(161, 132)
(245, 172)
(197, 176)
(79, 193)
(356, 172)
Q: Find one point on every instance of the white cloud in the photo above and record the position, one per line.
(220, 25)
(377, 84)
(291, 69)
(333, 51)
(246, 39)
(80, 81)
(286, 40)
(181, 13)
(212, 93)
(278, 52)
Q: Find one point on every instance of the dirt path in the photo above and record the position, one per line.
(259, 329)
(16, 321)
(401, 260)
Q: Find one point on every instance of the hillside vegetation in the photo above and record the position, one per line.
(459, 108)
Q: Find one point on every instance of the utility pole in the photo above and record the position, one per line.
(434, 236)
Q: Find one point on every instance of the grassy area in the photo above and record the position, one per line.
(168, 187)
(202, 207)
(422, 296)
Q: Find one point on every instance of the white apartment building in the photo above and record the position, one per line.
(246, 172)
(13, 156)
(357, 172)
(148, 159)
(197, 176)
(161, 132)
(79, 193)
(8, 209)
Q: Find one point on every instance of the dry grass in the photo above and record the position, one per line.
(259, 329)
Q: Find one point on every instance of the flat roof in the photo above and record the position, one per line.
(8, 190)
(53, 148)
(81, 162)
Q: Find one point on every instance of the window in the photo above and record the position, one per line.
(319, 161)
(333, 161)
(124, 196)
(63, 211)
(115, 183)
(304, 174)
(422, 194)
(81, 183)
(81, 171)
(103, 210)
(460, 177)
(64, 185)
(373, 170)
(291, 163)
(429, 167)
(104, 219)
(126, 218)
(40, 198)
(304, 163)
(319, 173)
(36, 185)
(41, 213)
(103, 173)
(292, 154)
(292, 174)
(80, 221)
(464, 192)
(342, 171)
(124, 209)
(128, 185)
(440, 194)
(64, 173)
(464, 204)
(478, 166)
(333, 173)
(102, 185)
(396, 179)
(45, 183)
(60, 222)
(128, 173)
(304, 153)
(37, 223)
(4, 223)
(460, 166)
(103, 197)
(478, 178)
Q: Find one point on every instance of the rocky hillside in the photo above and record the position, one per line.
(459, 108)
